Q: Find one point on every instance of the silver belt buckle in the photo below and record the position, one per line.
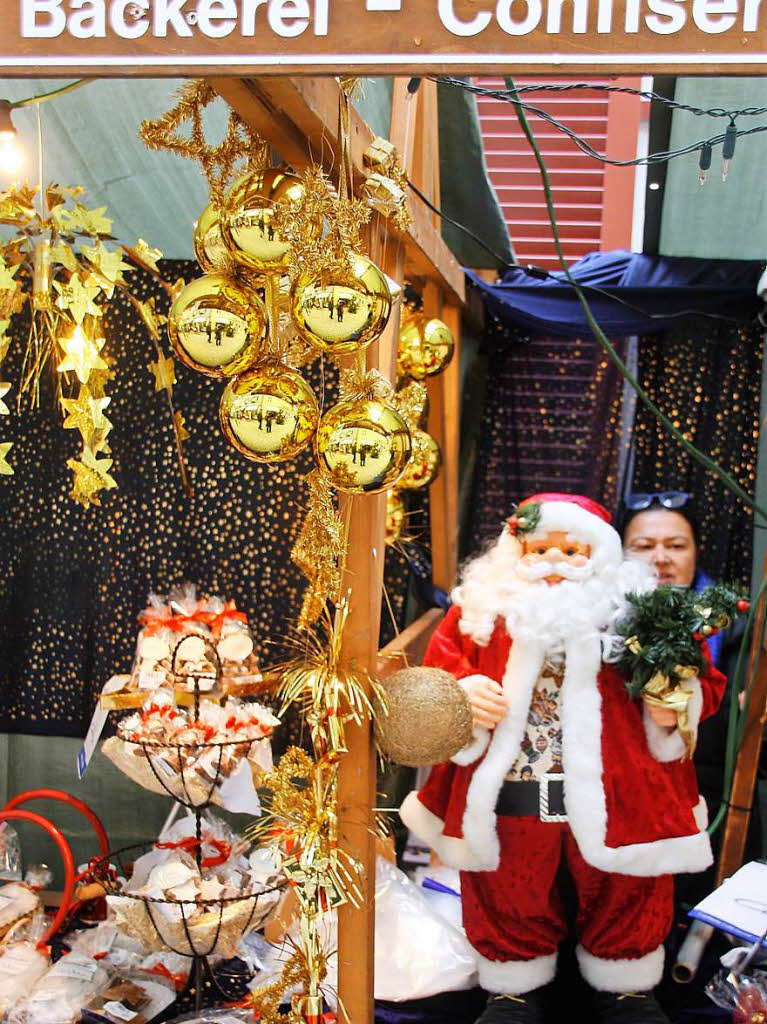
(543, 796)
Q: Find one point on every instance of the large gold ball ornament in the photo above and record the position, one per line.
(247, 219)
(395, 516)
(209, 248)
(346, 312)
(363, 445)
(269, 413)
(428, 720)
(425, 460)
(425, 347)
(216, 325)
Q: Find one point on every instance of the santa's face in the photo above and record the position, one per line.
(553, 557)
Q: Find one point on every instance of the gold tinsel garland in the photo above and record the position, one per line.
(218, 162)
(318, 549)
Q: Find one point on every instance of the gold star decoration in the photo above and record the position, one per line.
(109, 263)
(81, 355)
(164, 372)
(86, 414)
(143, 254)
(182, 432)
(91, 476)
(83, 221)
(5, 468)
(7, 274)
(77, 298)
(5, 341)
(62, 253)
(5, 387)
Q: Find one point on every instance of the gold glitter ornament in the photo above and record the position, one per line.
(342, 311)
(363, 445)
(424, 464)
(269, 413)
(395, 516)
(428, 720)
(246, 219)
(425, 346)
(216, 325)
(209, 248)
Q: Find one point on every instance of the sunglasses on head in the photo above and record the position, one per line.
(668, 499)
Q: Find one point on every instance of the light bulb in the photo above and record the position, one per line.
(11, 156)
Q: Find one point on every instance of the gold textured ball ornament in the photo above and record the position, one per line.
(246, 219)
(428, 720)
(395, 516)
(216, 325)
(425, 346)
(424, 464)
(345, 312)
(269, 413)
(363, 445)
(209, 248)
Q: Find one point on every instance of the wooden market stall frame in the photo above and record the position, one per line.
(299, 118)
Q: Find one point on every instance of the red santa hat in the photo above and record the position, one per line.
(582, 518)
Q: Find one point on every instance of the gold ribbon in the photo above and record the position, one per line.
(666, 691)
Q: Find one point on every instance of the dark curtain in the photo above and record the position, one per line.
(551, 422)
(707, 378)
(73, 581)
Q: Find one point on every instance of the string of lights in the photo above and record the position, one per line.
(726, 139)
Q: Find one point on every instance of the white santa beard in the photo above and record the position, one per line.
(547, 614)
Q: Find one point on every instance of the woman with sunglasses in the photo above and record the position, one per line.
(661, 529)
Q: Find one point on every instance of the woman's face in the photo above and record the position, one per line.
(664, 540)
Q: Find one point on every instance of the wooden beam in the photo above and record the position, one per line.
(410, 646)
(357, 775)
(444, 425)
(299, 116)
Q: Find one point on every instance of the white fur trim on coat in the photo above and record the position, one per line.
(584, 791)
(519, 679)
(480, 737)
(455, 852)
(515, 977)
(670, 746)
(639, 975)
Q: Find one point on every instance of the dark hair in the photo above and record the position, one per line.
(687, 511)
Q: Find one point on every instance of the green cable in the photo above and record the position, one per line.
(50, 95)
(737, 720)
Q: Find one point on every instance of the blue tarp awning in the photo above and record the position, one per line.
(663, 291)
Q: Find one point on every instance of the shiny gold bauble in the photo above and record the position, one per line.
(395, 517)
(209, 248)
(425, 346)
(246, 219)
(269, 413)
(428, 720)
(363, 445)
(216, 325)
(345, 312)
(425, 460)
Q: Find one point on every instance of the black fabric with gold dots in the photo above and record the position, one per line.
(73, 581)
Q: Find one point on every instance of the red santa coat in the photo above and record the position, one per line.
(632, 802)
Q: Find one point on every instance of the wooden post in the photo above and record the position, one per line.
(744, 778)
(357, 776)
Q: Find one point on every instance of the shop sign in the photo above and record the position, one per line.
(171, 37)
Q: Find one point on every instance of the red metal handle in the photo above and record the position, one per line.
(8, 814)
(65, 798)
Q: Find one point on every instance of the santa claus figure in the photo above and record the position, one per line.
(563, 765)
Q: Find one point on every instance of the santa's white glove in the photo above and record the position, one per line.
(488, 704)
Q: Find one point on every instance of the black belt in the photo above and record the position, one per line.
(544, 799)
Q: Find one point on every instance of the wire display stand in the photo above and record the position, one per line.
(224, 917)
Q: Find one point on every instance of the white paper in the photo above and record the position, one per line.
(118, 1010)
(739, 905)
(96, 727)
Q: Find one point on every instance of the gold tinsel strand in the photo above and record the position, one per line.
(239, 143)
(410, 402)
(318, 549)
